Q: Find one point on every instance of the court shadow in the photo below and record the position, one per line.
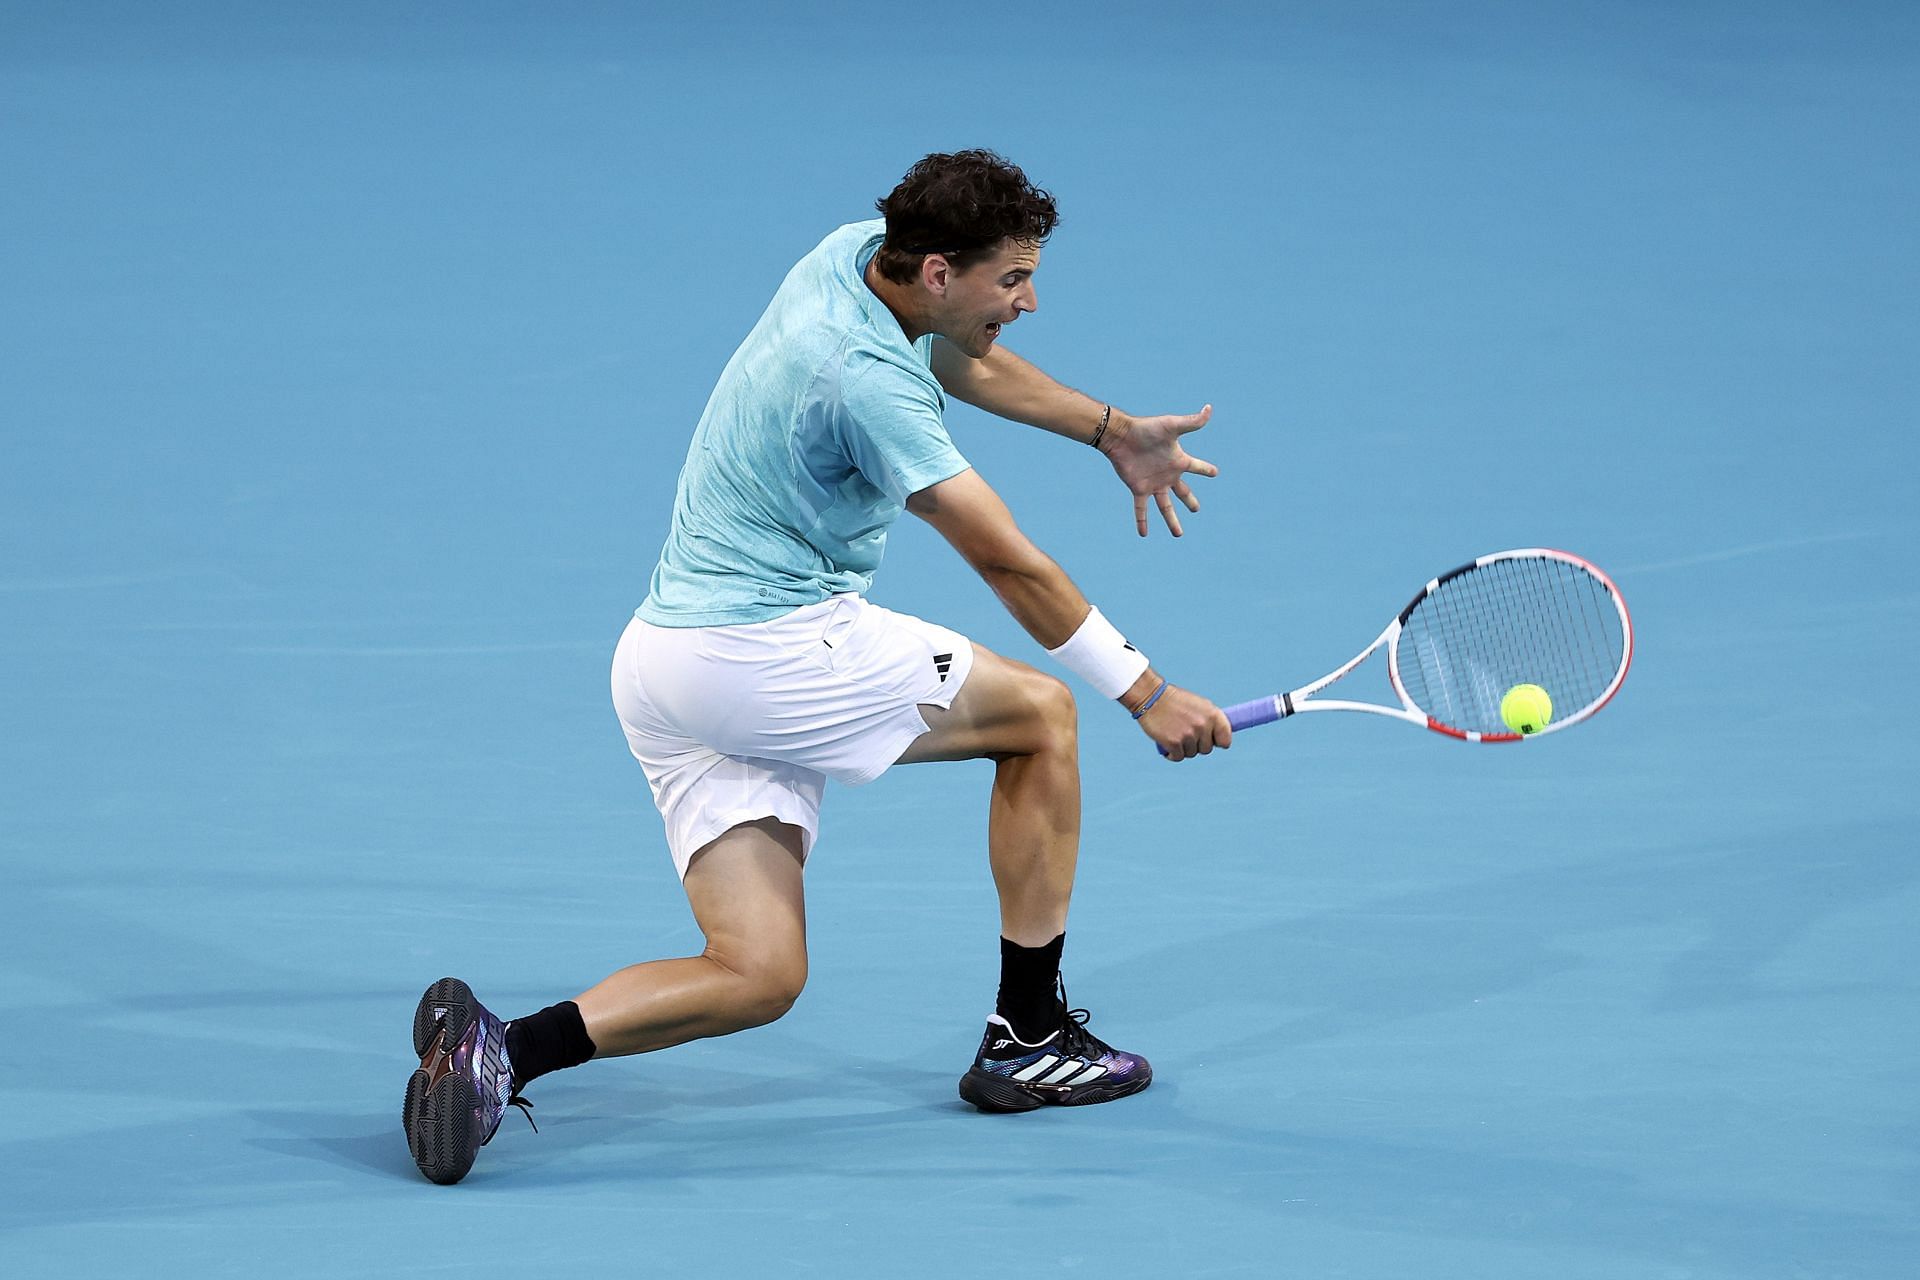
(360, 1142)
(1741, 905)
(654, 1120)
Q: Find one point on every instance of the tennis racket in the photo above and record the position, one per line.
(1532, 616)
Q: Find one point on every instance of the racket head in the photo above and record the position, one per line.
(1528, 616)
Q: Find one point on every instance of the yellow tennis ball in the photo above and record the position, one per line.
(1526, 708)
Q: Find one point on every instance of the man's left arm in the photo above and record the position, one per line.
(1146, 453)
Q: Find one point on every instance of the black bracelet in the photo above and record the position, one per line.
(1106, 412)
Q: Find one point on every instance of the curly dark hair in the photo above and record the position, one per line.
(960, 205)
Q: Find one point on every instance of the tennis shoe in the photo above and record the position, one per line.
(464, 1084)
(1070, 1068)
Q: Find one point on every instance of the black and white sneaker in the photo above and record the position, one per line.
(1070, 1068)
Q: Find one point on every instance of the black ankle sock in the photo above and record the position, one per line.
(546, 1041)
(1027, 979)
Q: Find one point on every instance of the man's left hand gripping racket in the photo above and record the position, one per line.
(1482, 632)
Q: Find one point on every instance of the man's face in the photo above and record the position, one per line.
(989, 295)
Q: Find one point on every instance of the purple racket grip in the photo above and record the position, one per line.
(1245, 715)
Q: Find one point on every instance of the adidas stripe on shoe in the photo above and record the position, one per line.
(1070, 1068)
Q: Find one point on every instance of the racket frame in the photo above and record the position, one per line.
(1282, 705)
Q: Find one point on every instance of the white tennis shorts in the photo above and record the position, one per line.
(743, 722)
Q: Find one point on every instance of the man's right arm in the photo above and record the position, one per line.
(1036, 591)
(1043, 599)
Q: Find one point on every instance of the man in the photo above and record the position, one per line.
(755, 670)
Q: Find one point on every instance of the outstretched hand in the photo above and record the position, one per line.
(1148, 456)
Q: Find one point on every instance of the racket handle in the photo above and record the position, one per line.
(1245, 715)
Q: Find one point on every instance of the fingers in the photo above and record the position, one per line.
(1164, 500)
(1167, 512)
(1198, 743)
(1198, 727)
(1198, 466)
(1142, 471)
(1193, 422)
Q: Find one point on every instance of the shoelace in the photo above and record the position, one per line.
(526, 1109)
(1077, 1040)
(1074, 1036)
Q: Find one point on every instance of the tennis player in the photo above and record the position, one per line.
(756, 669)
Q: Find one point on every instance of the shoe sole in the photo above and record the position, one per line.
(448, 1006)
(439, 1117)
(992, 1093)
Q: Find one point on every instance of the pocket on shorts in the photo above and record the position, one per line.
(865, 645)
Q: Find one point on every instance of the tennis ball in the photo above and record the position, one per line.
(1526, 708)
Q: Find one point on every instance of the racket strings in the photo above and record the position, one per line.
(1520, 620)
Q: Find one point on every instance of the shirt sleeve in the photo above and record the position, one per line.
(894, 432)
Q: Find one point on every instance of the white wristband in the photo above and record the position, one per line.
(1101, 656)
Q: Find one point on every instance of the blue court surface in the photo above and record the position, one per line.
(348, 353)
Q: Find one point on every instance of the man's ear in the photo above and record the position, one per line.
(935, 271)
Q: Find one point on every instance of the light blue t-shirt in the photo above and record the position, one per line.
(823, 423)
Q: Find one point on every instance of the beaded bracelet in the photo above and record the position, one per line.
(1151, 699)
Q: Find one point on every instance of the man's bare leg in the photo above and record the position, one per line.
(1033, 1053)
(746, 893)
(1023, 720)
(746, 887)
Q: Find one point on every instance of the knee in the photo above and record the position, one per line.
(765, 986)
(1056, 717)
(776, 993)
